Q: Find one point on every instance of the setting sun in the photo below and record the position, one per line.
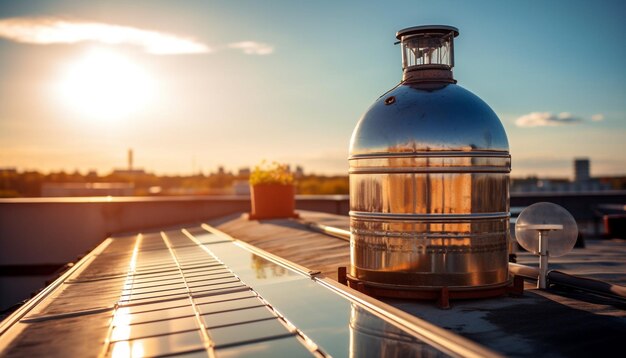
(105, 85)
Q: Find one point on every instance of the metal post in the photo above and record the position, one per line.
(543, 258)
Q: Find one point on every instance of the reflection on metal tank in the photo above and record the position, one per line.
(371, 336)
(429, 178)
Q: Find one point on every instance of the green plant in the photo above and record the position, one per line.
(274, 173)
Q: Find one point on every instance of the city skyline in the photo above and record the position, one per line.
(196, 170)
(206, 84)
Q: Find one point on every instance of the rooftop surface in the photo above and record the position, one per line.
(234, 287)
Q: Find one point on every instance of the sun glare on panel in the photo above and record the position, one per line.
(105, 85)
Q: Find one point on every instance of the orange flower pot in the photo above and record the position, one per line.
(273, 201)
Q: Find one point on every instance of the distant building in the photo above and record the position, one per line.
(582, 172)
(299, 173)
(126, 172)
(241, 187)
(130, 159)
(8, 171)
(130, 171)
(583, 182)
(86, 189)
(244, 172)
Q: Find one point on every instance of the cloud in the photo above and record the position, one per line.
(252, 47)
(542, 119)
(45, 31)
(597, 117)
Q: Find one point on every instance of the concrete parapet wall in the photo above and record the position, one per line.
(57, 230)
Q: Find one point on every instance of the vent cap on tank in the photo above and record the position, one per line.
(427, 53)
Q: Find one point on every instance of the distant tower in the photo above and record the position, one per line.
(299, 172)
(581, 169)
(130, 159)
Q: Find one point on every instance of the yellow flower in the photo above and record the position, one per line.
(275, 173)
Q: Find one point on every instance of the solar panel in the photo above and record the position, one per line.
(192, 292)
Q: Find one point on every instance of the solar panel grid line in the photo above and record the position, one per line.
(175, 246)
(158, 284)
(210, 326)
(215, 272)
(161, 315)
(198, 262)
(158, 271)
(106, 343)
(156, 277)
(136, 290)
(160, 346)
(156, 328)
(157, 265)
(208, 344)
(217, 275)
(152, 295)
(217, 289)
(156, 274)
(231, 296)
(41, 318)
(195, 262)
(132, 265)
(257, 340)
(214, 293)
(171, 287)
(147, 300)
(291, 346)
(104, 278)
(213, 282)
(159, 306)
(193, 271)
(210, 310)
(99, 277)
(251, 332)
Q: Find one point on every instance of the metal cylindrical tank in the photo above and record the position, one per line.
(429, 179)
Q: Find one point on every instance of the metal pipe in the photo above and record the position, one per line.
(328, 230)
(524, 271)
(543, 258)
(587, 284)
(554, 277)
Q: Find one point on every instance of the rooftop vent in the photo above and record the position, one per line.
(429, 181)
(427, 53)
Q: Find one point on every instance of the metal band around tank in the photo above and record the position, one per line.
(431, 162)
(446, 218)
(433, 153)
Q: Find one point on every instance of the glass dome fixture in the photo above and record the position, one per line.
(429, 182)
(427, 52)
(546, 229)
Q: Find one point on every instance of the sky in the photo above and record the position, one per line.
(193, 85)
